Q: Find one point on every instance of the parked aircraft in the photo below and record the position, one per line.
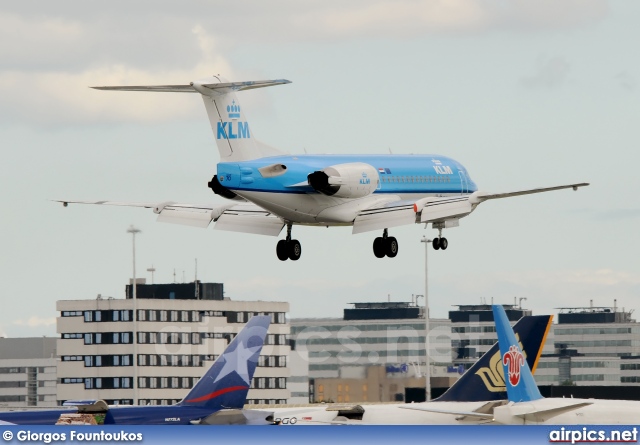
(470, 400)
(269, 189)
(222, 389)
(526, 404)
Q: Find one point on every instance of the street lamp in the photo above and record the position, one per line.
(152, 270)
(426, 320)
(133, 231)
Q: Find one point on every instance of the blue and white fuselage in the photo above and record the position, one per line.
(290, 196)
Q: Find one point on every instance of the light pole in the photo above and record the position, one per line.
(152, 270)
(133, 231)
(426, 320)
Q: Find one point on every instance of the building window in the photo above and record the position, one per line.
(72, 313)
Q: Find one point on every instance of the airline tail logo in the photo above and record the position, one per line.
(233, 110)
(234, 129)
(513, 359)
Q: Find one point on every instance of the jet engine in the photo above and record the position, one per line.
(351, 180)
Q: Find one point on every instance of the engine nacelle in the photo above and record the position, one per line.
(351, 180)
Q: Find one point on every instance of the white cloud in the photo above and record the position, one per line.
(64, 97)
(35, 321)
(30, 39)
(419, 17)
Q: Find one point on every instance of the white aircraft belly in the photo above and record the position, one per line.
(315, 209)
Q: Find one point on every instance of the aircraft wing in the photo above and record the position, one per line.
(482, 196)
(445, 211)
(233, 216)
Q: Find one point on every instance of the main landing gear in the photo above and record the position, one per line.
(440, 242)
(289, 249)
(385, 245)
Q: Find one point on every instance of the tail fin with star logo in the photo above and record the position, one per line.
(227, 382)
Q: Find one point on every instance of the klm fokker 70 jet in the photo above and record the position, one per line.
(269, 189)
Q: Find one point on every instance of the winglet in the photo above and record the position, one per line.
(227, 382)
(521, 387)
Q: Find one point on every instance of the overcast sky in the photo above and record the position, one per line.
(523, 93)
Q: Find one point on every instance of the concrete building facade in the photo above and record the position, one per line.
(592, 346)
(178, 338)
(28, 372)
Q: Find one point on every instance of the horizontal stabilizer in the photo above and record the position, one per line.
(236, 417)
(223, 87)
(545, 414)
(88, 406)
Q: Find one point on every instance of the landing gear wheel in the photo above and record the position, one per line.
(391, 247)
(282, 251)
(436, 243)
(444, 243)
(379, 248)
(294, 249)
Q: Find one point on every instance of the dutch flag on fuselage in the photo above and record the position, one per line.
(384, 171)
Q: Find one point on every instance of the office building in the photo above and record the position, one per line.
(27, 372)
(181, 330)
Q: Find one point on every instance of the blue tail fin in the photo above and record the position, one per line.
(521, 387)
(485, 381)
(227, 382)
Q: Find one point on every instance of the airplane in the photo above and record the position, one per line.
(222, 390)
(269, 189)
(526, 404)
(470, 400)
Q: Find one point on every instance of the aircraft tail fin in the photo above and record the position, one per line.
(521, 387)
(485, 381)
(227, 382)
(231, 131)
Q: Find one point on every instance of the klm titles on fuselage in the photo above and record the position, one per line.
(227, 130)
(443, 169)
